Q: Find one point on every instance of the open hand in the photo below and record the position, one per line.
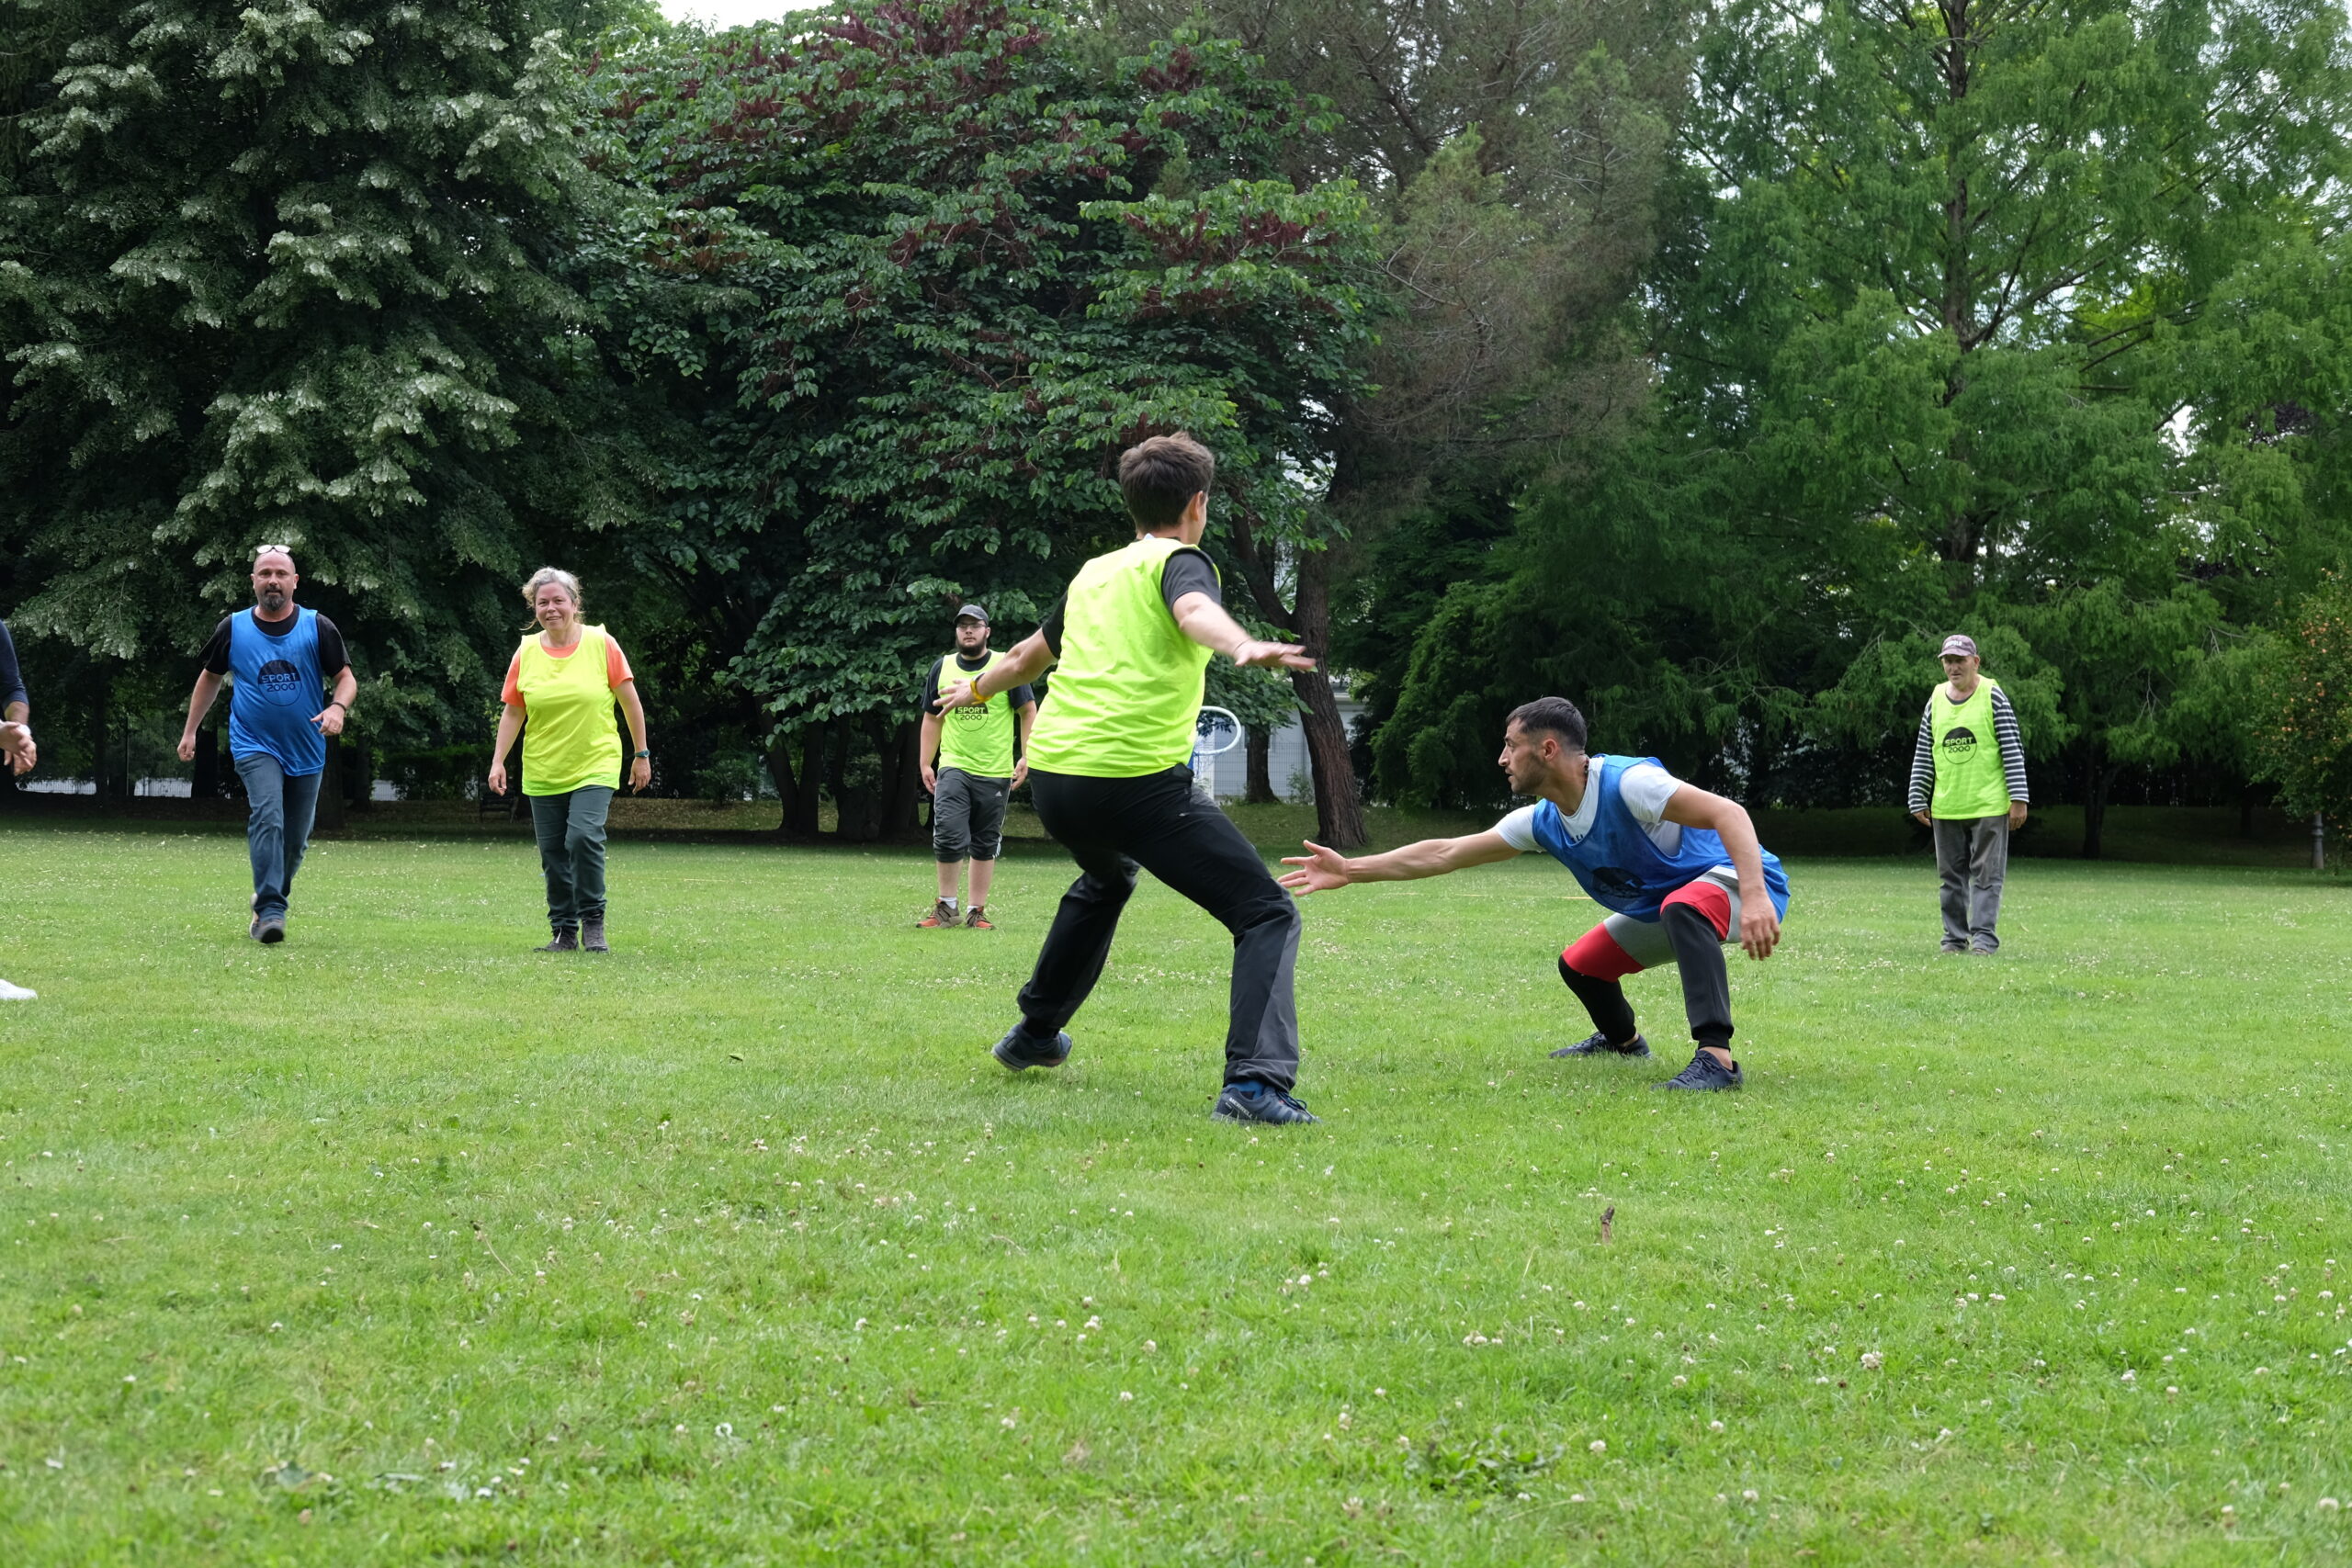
(1021, 772)
(1922, 818)
(1254, 655)
(1320, 870)
(641, 773)
(954, 694)
(1760, 926)
(930, 779)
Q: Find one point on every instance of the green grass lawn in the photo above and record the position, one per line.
(401, 1243)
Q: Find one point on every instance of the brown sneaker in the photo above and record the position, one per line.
(941, 915)
(979, 918)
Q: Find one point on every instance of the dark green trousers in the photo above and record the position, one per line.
(571, 852)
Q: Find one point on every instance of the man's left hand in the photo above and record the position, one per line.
(1759, 925)
(1021, 772)
(2016, 814)
(329, 719)
(16, 745)
(641, 773)
(955, 694)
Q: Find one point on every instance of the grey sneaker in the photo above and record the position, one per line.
(1257, 1102)
(1704, 1073)
(567, 940)
(1597, 1044)
(592, 935)
(270, 929)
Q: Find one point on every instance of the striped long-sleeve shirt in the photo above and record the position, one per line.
(2004, 731)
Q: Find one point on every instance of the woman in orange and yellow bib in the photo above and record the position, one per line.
(559, 694)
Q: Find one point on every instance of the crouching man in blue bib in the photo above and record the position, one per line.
(1678, 869)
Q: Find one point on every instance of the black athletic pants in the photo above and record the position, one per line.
(1112, 827)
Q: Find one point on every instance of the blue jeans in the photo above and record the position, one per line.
(278, 829)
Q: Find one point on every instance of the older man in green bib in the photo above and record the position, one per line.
(1968, 786)
(1107, 768)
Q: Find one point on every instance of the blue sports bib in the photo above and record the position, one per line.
(278, 687)
(1622, 866)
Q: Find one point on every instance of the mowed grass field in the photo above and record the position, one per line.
(401, 1243)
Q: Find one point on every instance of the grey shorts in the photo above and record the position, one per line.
(1646, 942)
(968, 815)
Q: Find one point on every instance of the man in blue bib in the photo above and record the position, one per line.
(281, 659)
(1678, 868)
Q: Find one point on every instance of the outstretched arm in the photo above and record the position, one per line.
(1321, 870)
(1208, 623)
(1760, 924)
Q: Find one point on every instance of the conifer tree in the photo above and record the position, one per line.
(272, 271)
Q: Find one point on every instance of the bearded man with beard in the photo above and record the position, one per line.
(280, 657)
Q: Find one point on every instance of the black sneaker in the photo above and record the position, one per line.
(270, 929)
(1597, 1044)
(1256, 1103)
(1019, 1050)
(592, 935)
(567, 940)
(1704, 1072)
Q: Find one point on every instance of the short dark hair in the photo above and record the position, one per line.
(1161, 476)
(1556, 714)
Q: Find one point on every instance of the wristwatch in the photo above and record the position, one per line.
(644, 753)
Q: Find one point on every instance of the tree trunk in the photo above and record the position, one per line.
(790, 785)
(1259, 788)
(2097, 776)
(808, 807)
(330, 810)
(103, 777)
(1339, 805)
(359, 775)
(902, 782)
(206, 783)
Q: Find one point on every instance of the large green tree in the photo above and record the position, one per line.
(1517, 155)
(275, 271)
(1934, 356)
(910, 276)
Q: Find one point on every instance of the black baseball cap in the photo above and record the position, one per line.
(973, 613)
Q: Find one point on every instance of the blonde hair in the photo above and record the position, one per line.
(539, 580)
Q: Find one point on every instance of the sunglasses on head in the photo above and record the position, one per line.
(261, 550)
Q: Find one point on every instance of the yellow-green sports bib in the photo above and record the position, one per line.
(977, 739)
(569, 738)
(1126, 685)
(1969, 779)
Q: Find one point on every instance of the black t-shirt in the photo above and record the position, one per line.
(1021, 695)
(1188, 571)
(333, 657)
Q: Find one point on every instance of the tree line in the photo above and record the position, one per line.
(1704, 362)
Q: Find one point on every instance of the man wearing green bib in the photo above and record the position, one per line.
(976, 772)
(1130, 643)
(1967, 785)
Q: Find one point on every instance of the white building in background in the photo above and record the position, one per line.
(1226, 775)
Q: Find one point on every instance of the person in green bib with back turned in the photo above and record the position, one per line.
(1968, 786)
(1130, 643)
(559, 692)
(970, 766)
